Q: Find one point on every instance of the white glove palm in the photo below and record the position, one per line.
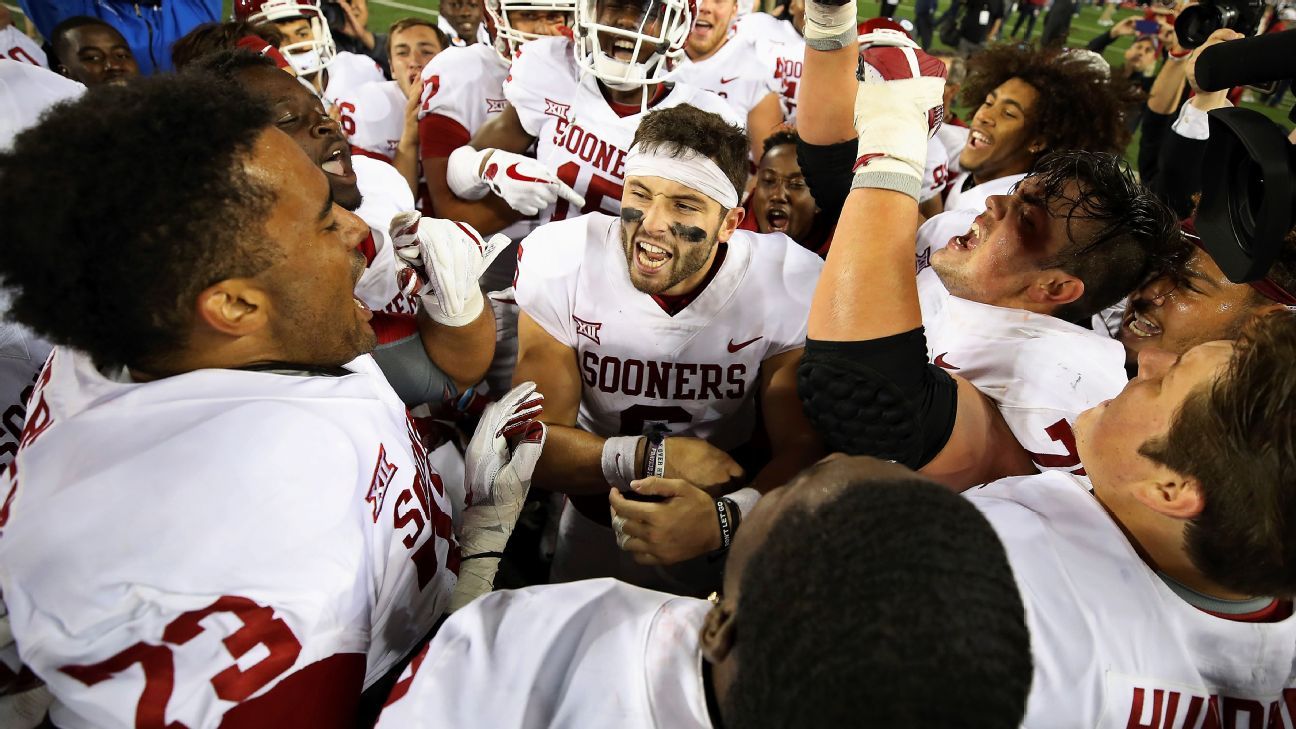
(525, 184)
(899, 105)
(441, 261)
(501, 457)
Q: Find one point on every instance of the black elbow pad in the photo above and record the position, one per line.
(879, 397)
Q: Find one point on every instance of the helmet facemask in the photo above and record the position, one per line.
(627, 44)
(507, 38)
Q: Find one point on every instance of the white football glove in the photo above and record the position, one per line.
(525, 184)
(441, 261)
(899, 105)
(501, 457)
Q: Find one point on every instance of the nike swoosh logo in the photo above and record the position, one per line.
(735, 347)
(940, 362)
(727, 80)
(512, 172)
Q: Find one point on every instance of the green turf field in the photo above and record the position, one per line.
(1083, 29)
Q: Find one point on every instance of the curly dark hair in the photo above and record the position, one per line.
(866, 609)
(1080, 106)
(778, 139)
(121, 207)
(212, 37)
(1120, 234)
(688, 127)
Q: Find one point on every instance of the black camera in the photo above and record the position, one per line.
(1196, 22)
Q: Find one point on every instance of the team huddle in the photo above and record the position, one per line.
(637, 363)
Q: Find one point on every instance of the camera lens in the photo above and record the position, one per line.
(1195, 24)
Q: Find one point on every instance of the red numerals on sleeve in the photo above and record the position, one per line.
(260, 628)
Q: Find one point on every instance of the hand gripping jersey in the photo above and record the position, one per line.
(346, 74)
(698, 371)
(578, 134)
(1114, 647)
(373, 118)
(16, 46)
(739, 73)
(385, 194)
(250, 546)
(1041, 371)
(974, 197)
(592, 654)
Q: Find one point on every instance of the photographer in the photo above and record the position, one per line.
(349, 21)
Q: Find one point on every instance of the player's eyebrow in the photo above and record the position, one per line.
(688, 198)
(328, 206)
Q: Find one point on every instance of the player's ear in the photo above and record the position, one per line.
(1056, 287)
(718, 632)
(234, 306)
(1171, 494)
(732, 219)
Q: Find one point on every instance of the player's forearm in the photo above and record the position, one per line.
(488, 216)
(572, 462)
(406, 160)
(1167, 89)
(462, 353)
(828, 79)
(762, 121)
(867, 289)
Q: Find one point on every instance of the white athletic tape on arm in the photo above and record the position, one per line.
(689, 168)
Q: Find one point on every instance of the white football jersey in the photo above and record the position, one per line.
(346, 74)
(593, 654)
(974, 198)
(737, 73)
(954, 138)
(384, 195)
(578, 134)
(696, 372)
(935, 172)
(1041, 371)
(26, 91)
(16, 46)
(788, 58)
(236, 531)
(1114, 647)
(22, 354)
(767, 27)
(374, 117)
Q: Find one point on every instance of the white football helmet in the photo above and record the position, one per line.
(508, 38)
(631, 27)
(308, 56)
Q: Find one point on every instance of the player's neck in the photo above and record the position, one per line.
(632, 98)
(708, 54)
(1012, 167)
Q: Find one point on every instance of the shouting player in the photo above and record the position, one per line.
(580, 108)
(654, 336)
(1011, 366)
(254, 521)
(860, 542)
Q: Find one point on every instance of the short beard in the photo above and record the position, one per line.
(694, 257)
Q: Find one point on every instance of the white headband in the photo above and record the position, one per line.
(688, 168)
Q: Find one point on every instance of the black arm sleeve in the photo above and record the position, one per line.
(1155, 127)
(1100, 42)
(829, 170)
(879, 397)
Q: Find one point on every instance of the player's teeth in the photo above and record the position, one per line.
(653, 249)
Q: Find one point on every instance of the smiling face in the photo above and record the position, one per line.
(464, 16)
(411, 49)
(313, 314)
(669, 233)
(781, 200)
(1002, 258)
(710, 27)
(630, 15)
(1003, 134)
(1202, 305)
(96, 54)
(1110, 435)
(299, 114)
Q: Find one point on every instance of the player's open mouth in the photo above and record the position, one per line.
(1139, 325)
(365, 311)
(701, 29)
(978, 139)
(650, 258)
(623, 50)
(968, 240)
(338, 162)
(777, 220)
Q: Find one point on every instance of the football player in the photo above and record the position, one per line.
(733, 68)
(654, 335)
(254, 521)
(579, 102)
(780, 201)
(308, 45)
(864, 545)
(1003, 304)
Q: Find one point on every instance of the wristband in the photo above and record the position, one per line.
(726, 523)
(830, 27)
(618, 460)
(463, 173)
(655, 455)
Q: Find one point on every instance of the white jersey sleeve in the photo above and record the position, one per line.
(374, 117)
(464, 85)
(203, 586)
(549, 263)
(347, 73)
(788, 61)
(541, 82)
(16, 46)
(935, 172)
(385, 194)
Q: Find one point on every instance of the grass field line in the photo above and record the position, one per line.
(405, 6)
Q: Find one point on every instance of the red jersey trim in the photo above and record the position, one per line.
(370, 154)
(440, 135)
(673, 305)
